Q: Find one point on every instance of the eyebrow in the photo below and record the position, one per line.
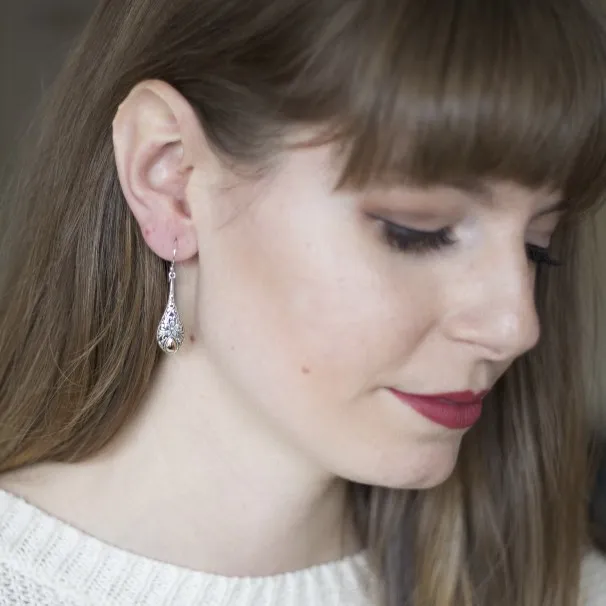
(483, 194)
(557, 206)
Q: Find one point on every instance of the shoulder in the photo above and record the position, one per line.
(24, 578)
(19, 588)
(593, 580)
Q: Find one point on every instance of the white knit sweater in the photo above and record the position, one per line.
(45, 562)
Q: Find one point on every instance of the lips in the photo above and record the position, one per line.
(457, 410)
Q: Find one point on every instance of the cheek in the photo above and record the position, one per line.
(292, 323)
(292, 314)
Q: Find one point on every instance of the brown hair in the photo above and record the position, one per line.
(433, 91)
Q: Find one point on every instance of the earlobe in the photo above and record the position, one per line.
(153, 168)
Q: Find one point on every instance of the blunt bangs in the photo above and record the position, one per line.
(472, 90)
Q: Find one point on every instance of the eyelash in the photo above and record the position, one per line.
(404, 239)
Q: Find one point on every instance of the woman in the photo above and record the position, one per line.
(346, 223)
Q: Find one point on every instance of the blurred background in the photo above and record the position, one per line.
(35, 36)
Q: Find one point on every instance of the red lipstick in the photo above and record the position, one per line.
(458, 410)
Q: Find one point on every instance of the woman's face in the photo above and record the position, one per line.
(314, 311)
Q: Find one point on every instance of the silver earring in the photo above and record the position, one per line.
(170, 330)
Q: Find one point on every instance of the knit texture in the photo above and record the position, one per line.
(45, 562)
(593, 580)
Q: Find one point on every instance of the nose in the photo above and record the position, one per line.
(495, 309)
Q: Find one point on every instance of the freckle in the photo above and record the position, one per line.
(305, 370)
(192, 338)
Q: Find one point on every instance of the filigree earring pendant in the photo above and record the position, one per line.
(170, 330)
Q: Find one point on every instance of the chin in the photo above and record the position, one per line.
(421, 480)
(420, 471)
(430, 479)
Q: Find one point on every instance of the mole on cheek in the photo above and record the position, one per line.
(305, 370)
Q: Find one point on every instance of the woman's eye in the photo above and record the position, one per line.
(540, 255)
(405, 239)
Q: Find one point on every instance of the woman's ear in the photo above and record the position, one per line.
(155, 159)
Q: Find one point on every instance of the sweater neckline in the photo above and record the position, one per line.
(78, 564)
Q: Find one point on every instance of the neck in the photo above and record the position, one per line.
(200, 481)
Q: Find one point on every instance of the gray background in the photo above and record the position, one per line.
(34, 38)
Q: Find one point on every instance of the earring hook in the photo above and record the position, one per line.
(172, 275)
